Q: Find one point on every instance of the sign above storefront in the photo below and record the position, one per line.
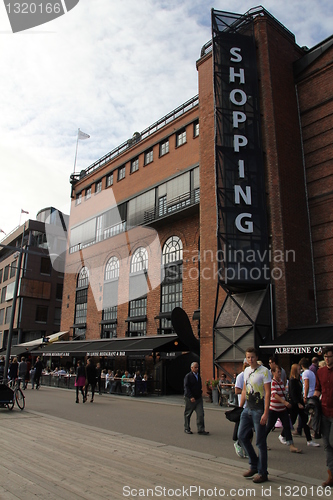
(298, 350)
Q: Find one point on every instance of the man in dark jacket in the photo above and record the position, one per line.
(91, 379)
(193, 400)
(38, 372)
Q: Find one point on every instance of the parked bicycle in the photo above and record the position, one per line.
(10, 392)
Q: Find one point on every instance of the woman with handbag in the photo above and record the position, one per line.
(278, 409)
(297, 403)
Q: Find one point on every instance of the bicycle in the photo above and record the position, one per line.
(14, 393)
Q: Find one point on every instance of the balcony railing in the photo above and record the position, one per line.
(177, 204)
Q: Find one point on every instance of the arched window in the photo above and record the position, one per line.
(137, 317)
(112, 269)
(172, 285)
(139, 260)
(172, 250)
(83, 278)
(110, 299)
(81, 302)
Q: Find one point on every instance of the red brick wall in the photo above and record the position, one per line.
(208, 216)
(315, 97)
(286, 200)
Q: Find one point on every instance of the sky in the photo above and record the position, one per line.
(110, 68)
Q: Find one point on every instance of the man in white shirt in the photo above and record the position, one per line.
(308, 379)
(256, 392)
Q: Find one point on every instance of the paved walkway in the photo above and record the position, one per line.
(52, 458)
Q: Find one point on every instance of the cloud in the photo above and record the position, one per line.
(109, 68)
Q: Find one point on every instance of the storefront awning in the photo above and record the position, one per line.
(28, 347)
(304, 340)
(113, 347)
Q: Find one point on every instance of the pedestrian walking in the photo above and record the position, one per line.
(38, 372)
(278, 409)
(80, 381)
(193, 400)
(297, 403)
(91, 379)
(256, 392)
(22, 371)
(324, 388)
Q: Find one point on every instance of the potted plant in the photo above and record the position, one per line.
(215, 394)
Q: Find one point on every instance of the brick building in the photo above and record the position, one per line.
(25, 261)
(230, 222)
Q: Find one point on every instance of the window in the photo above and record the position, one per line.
(196, 128)
(57, 315)
(109, 180)
(121, 173)
(59, 290)
(45, 266)
(162, 209)
(81, 297)
(41, 314)
(98, 187)
(13, 269)
(172, 286)
(149, 156)
(137, 320)
(112, 269)
(139, 260)
(181, 137)
(3, 294)
(88, 193)
(8, 315)
(1, 271)
(110, 299)
(83, 278)
(2, 315)
(164, 147)
(134, 165)
(6, 273)
(78, 199)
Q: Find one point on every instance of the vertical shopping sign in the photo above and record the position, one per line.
(25, 15)
(240, 185)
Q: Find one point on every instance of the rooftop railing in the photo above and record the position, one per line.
(137, 136)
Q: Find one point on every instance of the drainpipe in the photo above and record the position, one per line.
(307, 209)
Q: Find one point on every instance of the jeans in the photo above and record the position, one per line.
(327, 434)
(197, 406)
(284, 417)
(249, 419)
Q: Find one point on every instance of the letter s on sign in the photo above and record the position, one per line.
(234, 52)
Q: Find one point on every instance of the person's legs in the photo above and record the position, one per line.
(327, 434)
(303, 417)
(261, 442)
(284, 417)
(189, 408)
(92, 392)
(200, 415)
(244, 431)
(272, 418)
(77, 393)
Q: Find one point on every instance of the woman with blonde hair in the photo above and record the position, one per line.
(297, 403)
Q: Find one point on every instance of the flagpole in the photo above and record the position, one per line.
(77, 143)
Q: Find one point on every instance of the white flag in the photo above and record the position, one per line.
(2, 231)
(82, 136)
(24, 211)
